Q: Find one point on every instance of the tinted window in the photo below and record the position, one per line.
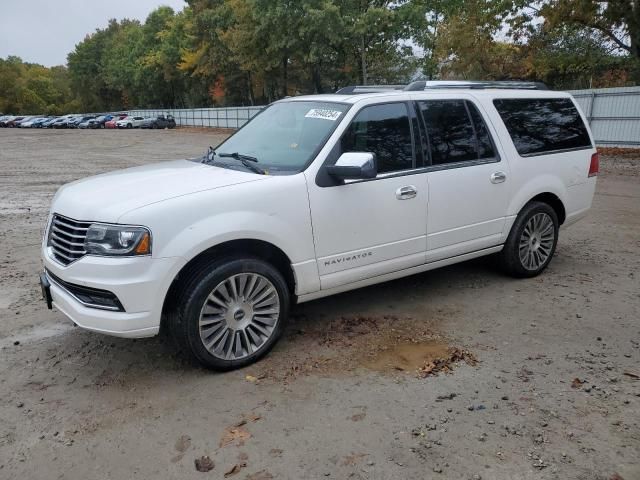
(385, 131)
(543, 125)
(485, 146)
(451, 134)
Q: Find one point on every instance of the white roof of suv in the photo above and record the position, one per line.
(435, 89)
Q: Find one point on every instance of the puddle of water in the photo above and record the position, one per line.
(410, 357)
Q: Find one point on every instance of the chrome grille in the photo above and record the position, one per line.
(66, 239)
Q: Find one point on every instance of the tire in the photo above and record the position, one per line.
(532, 241)
(154, 126)
(236, 337)
(129, 125)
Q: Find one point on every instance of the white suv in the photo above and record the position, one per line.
(318, 195)
(130, 122)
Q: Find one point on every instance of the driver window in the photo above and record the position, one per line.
(385, 131)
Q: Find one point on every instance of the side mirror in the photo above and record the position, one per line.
(354, 166)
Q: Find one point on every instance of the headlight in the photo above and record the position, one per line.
(117, 240)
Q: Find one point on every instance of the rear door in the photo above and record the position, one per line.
(468, 179)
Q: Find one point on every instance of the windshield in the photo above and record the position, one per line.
(284, 136)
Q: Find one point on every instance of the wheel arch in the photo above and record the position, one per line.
(251, 247)
(554, 202)
(546, 188)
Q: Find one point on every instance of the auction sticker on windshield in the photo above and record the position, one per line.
(331, 115)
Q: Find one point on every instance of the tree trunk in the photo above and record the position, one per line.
(316, 79)
(363, 57)
(285, 76)
(252, 100)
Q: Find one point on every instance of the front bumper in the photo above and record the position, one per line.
(139, 283)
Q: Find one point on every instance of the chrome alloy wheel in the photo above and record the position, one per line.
(536, 242)
(239, 316)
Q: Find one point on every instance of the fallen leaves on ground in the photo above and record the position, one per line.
(235, 434)
(204, 464)
(577, 383)
(444, 364)
(235, 469)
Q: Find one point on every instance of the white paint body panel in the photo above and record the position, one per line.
(337, 238)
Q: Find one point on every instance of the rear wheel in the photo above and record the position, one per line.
(532, 241)
(231, 312)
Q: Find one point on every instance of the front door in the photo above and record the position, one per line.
(371, 227)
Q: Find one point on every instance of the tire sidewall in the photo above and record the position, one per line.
(512, 257)
(204, 284)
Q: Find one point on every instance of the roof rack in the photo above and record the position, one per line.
(356, 89)
(480, 84)
(422, 85)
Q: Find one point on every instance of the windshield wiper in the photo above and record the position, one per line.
(238, 156)
(246, 160)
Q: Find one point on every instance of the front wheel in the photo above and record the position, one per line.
(532, 241)
(231, 312)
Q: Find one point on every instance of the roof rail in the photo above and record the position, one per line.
(479, 84)
(422, 85)
(357, 89)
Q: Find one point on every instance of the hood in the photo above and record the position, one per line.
(105, 198)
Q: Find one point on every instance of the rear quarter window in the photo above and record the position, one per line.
(543, 125)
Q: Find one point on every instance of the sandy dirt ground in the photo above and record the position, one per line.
(458, 373)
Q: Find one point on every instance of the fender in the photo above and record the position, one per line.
(545, 183)
(186, 226)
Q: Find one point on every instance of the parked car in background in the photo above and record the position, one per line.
(32, 122)
(85, 123)
(159, 122)
(112, 123)
(26, 122)
(40, 122)
(99, 122)
(49, 122)
(64, 121)
(18, 123)
(130, 122)
(12, 123)
(5, 120)
(78, 120)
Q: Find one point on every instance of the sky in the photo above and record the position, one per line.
(45, 31)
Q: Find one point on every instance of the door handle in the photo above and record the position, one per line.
(498, 177)
(405, 193)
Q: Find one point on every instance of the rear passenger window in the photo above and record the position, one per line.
(539, 126)
(385, 131)
(456, 131)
